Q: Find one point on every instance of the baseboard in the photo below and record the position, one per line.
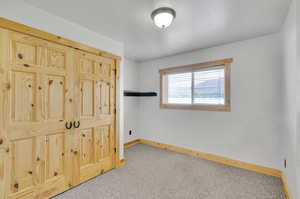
(286, 188)
(219, 159)
(212, 157)
(132, 143)
(121, 163)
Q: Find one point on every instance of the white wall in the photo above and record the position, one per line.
(21, 12)
(250, 132)
(298, 83)
(290, 93)
(131, 104)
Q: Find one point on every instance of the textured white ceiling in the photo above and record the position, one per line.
(199, 23)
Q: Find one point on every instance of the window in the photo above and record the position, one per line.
(203, 86)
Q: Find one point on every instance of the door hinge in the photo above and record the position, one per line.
(115, 150)
(115, 111)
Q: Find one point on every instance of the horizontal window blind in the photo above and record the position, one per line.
(180, 88)
(198, 87)
(209, 87)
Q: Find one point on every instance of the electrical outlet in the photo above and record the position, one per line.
(130, 132)
(285, 163)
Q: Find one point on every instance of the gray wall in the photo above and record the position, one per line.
(250, 132)
(290, 137)
(298, 97)
(131, 104)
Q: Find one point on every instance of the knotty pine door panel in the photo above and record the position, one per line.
(43, 86)
(37, 79)
(95, 102)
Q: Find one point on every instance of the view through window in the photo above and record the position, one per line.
(200, 87)
(196, 86)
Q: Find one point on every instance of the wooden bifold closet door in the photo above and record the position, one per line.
(46, 88)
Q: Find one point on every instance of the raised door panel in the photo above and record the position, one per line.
(87, 98)
(103, 140)
(105, 98)
(98, 144)
(88, 167)
(112, 92)
(23, 96)
(58, 166)
(86, 66)
(86, 147)
(27, 167)
(55, 155)
(106, 148)
(75, 158)
(106, 70)
(39, 160)
(24, 52)
(55, 97)
(56, 58)
(102, 146)
(96, 152)
(103, 69)
(98, 68)
(22, 165)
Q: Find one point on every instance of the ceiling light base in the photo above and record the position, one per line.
(163, 16)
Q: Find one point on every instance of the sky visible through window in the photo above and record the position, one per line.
(208, 87)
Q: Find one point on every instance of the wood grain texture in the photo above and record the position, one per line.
(192, 67)
(225, 108)
(37, 73)
(117, 113)
(132, 143)
(44, 85)
(212, 157)
(286, 188)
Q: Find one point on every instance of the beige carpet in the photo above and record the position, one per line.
(152, 173)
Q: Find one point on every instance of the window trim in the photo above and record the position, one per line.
(226, 63)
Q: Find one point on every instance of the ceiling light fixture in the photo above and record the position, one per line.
(163, 15)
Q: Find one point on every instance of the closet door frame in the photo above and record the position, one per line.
(5, 147)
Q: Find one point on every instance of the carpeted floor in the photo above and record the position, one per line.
(152, 173)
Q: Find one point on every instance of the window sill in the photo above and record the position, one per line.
(223, 108)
